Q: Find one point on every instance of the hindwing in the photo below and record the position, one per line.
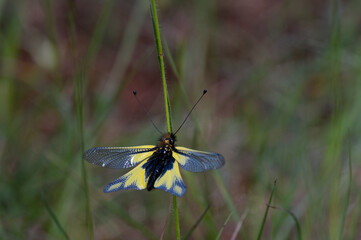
(134, 179)
(171, 181)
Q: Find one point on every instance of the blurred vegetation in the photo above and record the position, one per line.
(284, 101)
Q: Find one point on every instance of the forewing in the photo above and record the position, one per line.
(134, 179)
(197, 161)
(118, 157)
(171, 181)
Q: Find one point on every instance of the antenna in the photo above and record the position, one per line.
(204, 92)
(146, 112)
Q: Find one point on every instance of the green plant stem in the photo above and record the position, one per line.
(53, 217)
(78, 80)
(224, 224)
(158, 44)
(348, 196)
(176, 217)
(267, 209)
(189, 233)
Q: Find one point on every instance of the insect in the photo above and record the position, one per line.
(157, 167)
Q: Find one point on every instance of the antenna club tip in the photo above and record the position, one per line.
(134, 92)
(205, 91)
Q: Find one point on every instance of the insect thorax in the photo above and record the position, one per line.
(166, 144)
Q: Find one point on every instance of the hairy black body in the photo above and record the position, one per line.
(161, 161)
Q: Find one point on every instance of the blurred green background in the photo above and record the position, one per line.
(284, 101)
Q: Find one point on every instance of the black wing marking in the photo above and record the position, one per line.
(118, 157)
(197, 161)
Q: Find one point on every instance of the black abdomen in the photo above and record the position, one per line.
(156, 166)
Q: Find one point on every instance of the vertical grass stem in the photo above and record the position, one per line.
(78, 80)
(267, 209)
(158, 44)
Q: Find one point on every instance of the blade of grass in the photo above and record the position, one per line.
(227, 197)
(295, 219)
(158, 44)
(224, 224)
(166, 222)
(335, 139)
(53, 217)
(239, 225)
(355, 218)
(78, 83)
(298, 225)
(267, 209)
(79, 102)
(196, 224)
(170, 58)
(348, 195)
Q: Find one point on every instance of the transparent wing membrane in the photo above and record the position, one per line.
(197, 161)
(118, 157)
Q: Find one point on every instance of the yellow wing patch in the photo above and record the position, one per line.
(171, 181)
(179, 158)
(135, 179)
(137, 158)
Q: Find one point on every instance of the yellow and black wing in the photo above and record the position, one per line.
(123, 157)
(119, 157)
(197, 161)
(134, 179)
(171, 181)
